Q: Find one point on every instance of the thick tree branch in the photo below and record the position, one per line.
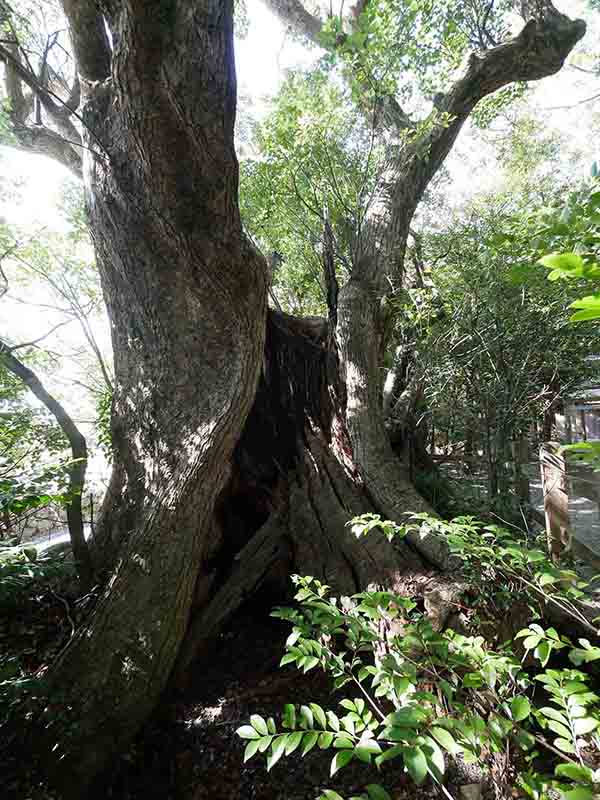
(540, 50)
(78, 465)
(43, 141)
(293, 14)
(37, 138)
(90, 41)
(20, 104)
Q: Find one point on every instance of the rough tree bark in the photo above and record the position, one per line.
(244, 440)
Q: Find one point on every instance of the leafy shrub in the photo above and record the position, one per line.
(420, 695)
(22, 572)
(24, 578)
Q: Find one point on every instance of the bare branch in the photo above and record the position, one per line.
(43, 141)
(20, 104)
(37, 138)
(35, 342)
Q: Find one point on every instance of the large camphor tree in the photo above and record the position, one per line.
(244, 438)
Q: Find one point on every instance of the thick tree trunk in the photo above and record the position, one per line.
(186, 296)
(220, 482)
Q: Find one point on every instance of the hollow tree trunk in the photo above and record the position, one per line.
(295, 486)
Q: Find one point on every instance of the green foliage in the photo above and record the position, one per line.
(494, 347)
(422, 696)
(22, 570)
(33, 472)
(577, 226)
(103, 418)
(25, 577)
(316, 161)
(410, 48)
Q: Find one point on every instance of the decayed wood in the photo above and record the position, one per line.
(556, 499)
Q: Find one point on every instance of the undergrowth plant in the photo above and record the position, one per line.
(422, 696)
(25, 575)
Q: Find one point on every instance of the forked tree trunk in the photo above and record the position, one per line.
(221, 481)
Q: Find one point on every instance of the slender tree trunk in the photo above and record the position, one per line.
(77, 467)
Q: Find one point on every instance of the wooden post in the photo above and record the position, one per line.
(556, 499)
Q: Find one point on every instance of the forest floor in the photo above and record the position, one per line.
(190, 750)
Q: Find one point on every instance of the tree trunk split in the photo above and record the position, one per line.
(294, 488)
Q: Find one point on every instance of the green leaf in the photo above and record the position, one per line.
(436, 763)
(567, 263)
(584, 316)
(564, 745)
(333, 721)
(289, 716)
(309, 663)
(585, 725)
(259, 724)
(342, 742)
(329, 794)
(591, 301)
(520, 708)
(574, 772)
(362, 754)
(306, 718)
(559, 728)
(409, 717)
(445, 739)
(546, 578)
(277, 750)
(319, 715)
(387, 755)
(542, 653)
(579, 793)
(416, 764)
(248, 732)
(325, 740)
(293, 742)
(251, 749)
(553, 713)
(309, 741)
(340, 760)
(377, 792)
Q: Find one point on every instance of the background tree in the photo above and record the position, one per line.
(497, 353)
